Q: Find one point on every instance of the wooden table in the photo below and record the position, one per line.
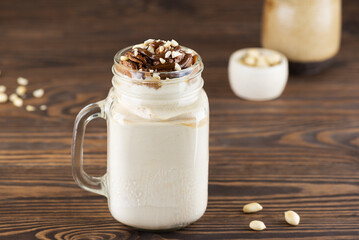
(299, 152)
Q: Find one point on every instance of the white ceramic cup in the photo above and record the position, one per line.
(257, 83)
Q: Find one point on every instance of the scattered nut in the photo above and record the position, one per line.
(2, 88)
(135, 52)
(22, 81)
(3, 97)
(18, 102)
(13, 97)
(30, 108)
(252, 207)
(292, 218)
(177, 67)
(168, 54)
(38, 93)
(21, 90)
(43, 107)
(257, 225)
(162, 60)
(123, 58)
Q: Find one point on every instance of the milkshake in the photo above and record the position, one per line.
(158, 121)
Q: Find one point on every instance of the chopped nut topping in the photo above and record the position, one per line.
(21, 90)
(161, 49)
(189, 51)
(168, 54)
(177, 67)
(22, 81)
(124, 58)
(174, 43)
(143, 46)
(3, 97)
(38, 93)
(168, 44)
(30, 108)
(151, 49)
(149, 41)
(43, 107)
(2, 88)
(176, 54)
(158, 56)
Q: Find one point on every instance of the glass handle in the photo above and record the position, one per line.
(89, 183)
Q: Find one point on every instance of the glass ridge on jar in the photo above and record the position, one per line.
(157, 167)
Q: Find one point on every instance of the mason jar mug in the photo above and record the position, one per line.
(157, 147)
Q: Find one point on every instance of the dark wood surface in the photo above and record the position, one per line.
(299, 152)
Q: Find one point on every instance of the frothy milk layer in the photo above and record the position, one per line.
(158, 160)
(155, 102)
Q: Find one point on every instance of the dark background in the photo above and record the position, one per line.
(299, 152)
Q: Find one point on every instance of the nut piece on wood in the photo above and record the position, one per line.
(2, 88)
(38, 93)
(252, 207)
(22, 81)
(30, 108)
(13, 97)
(257, 225)
(18, 102)
(43, 107)
(21, 90)
(3, 97)
(292, 218)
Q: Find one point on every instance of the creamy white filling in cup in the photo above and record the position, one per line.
(258, 74)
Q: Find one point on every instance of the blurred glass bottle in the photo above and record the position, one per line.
(306, 31)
